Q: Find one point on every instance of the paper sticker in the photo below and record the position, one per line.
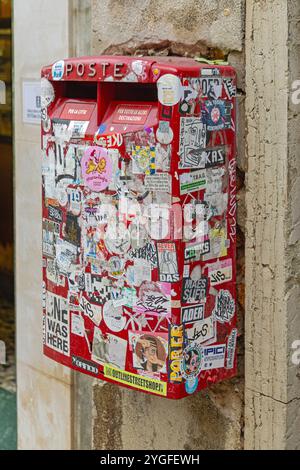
(194, 290)
(77, 324)
(192, 313)
(200, 331)
(191, 361)
(169, 89)
(96, 168)
(57, 324)
(220, 272)
(211, 87)
(192, 181)
(154, 299)
(175, 353)
(160, 182)
(224, 307)
(47, 93)
(149, 351)
(230, 88)
(108, 348)
(192, 140)
(217, 114)
(137, 381)
(213, 357)
(78, 129)
(113, 317)
(58, 70)
(193, 252)
(167, 262)
(231, 346)
(164, 133)
(93, 312)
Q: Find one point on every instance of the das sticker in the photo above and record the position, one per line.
(169, 89)
(96, 168)
(58, 70)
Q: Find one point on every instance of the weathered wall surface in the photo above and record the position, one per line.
(43, 387)
(214, 418)
(272, 229)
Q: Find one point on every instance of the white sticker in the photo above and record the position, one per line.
(113, 316)
(200, 331)
(58, 70)
(220, 272)
(77, 325)
(169, 89)
(164, 133)
(213, 356)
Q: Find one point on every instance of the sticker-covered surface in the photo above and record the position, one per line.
(139, 228)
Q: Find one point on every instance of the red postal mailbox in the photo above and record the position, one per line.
(139, 220)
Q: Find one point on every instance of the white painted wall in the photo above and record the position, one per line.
(41, 36)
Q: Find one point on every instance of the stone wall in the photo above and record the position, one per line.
(213, 419)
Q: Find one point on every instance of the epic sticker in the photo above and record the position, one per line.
(96, 168)
(169, 89)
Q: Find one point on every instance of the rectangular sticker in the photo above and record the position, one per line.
(192, 313)
(175, 353)
(231, 345)
(220, 272)
(200, 331)
(167, 262)
(213, 356)
(134, 380)
(194, 252)
(192, 140)
(158, 182)
(57, 324)
(193, 181)
(194, 290)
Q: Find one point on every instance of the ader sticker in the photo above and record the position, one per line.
(96, 168)
(169, 89)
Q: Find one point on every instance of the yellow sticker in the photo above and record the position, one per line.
(135, 380)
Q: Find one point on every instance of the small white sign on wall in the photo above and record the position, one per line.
(32, 102)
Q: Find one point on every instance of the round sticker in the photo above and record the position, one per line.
(191, 384)
(191, 361)
(58, 70)
(113, 317)
(117, 239)
(47, 93)
(169, 89)
(164, 133)
(96, 168)
(116, 267)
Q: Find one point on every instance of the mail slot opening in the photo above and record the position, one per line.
(80, 90)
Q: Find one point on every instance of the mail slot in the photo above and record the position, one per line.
(139, 221)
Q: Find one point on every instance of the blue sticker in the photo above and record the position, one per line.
(191, 385)
(101, 128)
(217, 114)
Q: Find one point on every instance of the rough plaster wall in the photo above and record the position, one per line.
(213, 419)
(272, 227)
(293, 231)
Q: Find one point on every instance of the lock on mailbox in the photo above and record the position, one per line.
(139, 225)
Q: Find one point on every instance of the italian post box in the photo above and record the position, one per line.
(139, 220)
